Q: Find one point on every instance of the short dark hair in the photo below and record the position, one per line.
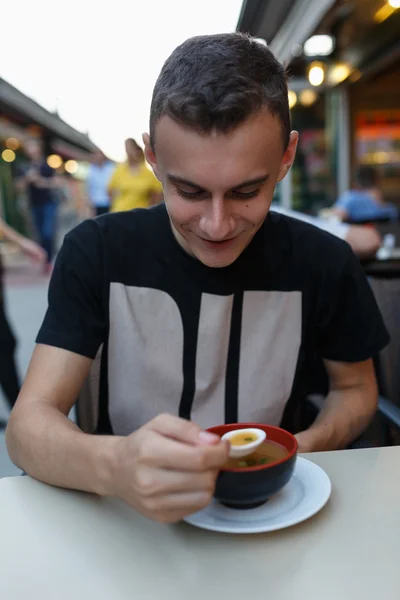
(366, 176)
(217, 81)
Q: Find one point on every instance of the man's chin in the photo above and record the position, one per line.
(217, 260)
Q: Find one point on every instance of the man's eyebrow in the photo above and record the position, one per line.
(196, 186)
(181, 180)
(250, 182)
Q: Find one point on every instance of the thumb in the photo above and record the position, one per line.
(182, 430)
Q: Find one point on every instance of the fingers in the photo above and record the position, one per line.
(174, 507)
(158, 482)
(182, 430)
(158, 451)
(169, 467)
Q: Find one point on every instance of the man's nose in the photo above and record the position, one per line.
(217, 222)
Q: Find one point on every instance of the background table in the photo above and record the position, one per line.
(58, 545)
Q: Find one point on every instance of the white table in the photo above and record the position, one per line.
(59, 545)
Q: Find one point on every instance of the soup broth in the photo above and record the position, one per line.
(266, 453)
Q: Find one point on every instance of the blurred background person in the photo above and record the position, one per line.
(38, 180)
(98, 178)
(366, 201)
(364, 241)
(9, 379)
(133, 184)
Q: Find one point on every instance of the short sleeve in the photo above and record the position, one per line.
(76, 318)
(350, 327)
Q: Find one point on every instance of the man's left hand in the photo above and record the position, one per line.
(305, 442)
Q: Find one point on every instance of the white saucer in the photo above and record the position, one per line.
(306, 493)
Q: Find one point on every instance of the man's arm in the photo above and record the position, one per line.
(40, 438)
(166, 470)
(348, 409)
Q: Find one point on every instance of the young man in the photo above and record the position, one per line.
(206, 308)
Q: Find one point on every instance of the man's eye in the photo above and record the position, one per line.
(190, 195)
(200, 194)
(245, 195)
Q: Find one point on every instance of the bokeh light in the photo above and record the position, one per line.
(316, 74)
(12, 143)
(71, 166)
(8, 155)
(339, 73)
(308, 97)
(292, 98)
(54, 161)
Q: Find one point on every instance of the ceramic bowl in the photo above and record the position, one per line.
(249, 487)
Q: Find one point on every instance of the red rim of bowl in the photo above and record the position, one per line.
(257, 426)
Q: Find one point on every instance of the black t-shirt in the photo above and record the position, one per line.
(215, 345)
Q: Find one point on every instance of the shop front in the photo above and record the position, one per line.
(65, 148)
(343, 60)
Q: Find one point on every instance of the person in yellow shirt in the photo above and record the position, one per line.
(133, 184)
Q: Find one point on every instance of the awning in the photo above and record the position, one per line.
(263, 18)
(14, 101)
(282, 24)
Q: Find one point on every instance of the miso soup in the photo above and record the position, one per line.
(267, 452)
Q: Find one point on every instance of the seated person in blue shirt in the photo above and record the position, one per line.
(364, 241)
(366, 203)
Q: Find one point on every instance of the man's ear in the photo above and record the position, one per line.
(289, 156)
(149, 155)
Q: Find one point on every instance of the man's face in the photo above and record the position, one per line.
(218, 187)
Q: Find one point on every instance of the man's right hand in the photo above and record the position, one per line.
(167, 469)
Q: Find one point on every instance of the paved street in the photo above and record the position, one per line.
(26, 291)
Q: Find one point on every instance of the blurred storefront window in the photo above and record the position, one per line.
(313, 182)
(377, 143)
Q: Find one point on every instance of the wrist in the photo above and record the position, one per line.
(317, 438)
(106, 464)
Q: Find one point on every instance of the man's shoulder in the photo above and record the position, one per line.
(307, 231)
(310, 245)
(134, 225)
